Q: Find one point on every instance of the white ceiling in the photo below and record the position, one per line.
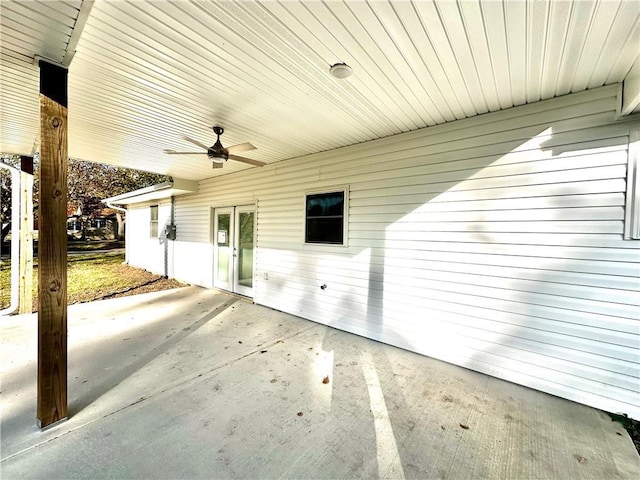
(143, 73)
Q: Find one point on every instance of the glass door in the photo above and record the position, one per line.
(234, 235)
(244, 237)
(223, 248)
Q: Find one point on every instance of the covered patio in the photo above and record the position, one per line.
(195, 383)
(485, 155)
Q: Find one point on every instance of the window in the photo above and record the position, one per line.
(325, 218)
(153, 223)
(99, 223)
(74, 225)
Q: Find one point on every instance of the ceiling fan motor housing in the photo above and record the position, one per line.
(217, 152)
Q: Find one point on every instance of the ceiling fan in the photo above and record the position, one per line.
(218, 153)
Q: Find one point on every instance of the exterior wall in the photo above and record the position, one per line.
(494, 243)
(144, 251)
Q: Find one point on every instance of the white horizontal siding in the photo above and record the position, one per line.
(494, 243)
(193, 251)
(144, 251)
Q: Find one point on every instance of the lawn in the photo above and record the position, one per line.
(93, 276)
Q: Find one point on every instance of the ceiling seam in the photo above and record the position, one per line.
(605, 42)
(564, 48)
(475, 64)
(452, 49)
(460, 109)
(431, 120)
(582, 49)
(545, 41)
(441, 94)
(411, 68)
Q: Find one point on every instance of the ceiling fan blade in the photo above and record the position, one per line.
(257, 163)
(241, 147)
(195, 142)
(217, 165)
(173, 152)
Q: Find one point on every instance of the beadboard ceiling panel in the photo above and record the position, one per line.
(145, 73)
(28, 29)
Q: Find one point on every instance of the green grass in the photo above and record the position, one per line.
(90, 276)
(75, 245)
(96, 245)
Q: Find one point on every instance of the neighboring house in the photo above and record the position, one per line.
(102, 228)
(501, 243)
(92, 228)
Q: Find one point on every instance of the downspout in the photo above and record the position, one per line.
(168, 235)
(15, 240)
(173, 237)
(173, 209)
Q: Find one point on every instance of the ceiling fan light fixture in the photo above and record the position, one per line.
(340, 70)
(217, 157)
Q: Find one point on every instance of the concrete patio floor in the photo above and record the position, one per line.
(194, 383)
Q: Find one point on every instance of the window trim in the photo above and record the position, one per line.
(153, 223)
(345, 216)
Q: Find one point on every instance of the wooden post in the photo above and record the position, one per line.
(52, 247)
(26, 235)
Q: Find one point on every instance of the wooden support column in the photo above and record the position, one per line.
(52, 247)
(25, 304)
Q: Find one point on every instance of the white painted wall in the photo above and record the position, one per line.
(154, 254)
(494, 243)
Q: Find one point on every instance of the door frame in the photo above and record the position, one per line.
(237, 286)
(232, 283)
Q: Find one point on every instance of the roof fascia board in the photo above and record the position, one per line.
(140, 191)
(81, 21)
(187, 185)
(177, 186)
(631, 90)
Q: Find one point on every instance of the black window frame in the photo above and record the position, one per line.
(315, 226)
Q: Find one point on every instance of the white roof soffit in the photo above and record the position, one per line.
(159, 191)
(147, 72)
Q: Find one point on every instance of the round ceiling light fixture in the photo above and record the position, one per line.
(340, 70)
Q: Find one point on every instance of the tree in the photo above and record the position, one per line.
(6, 193)
(88, 183)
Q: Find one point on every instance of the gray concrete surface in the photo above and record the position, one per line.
(193, 383)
